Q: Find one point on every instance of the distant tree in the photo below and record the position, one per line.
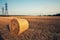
(49, 15)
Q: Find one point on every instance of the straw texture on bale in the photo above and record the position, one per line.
(17, 26)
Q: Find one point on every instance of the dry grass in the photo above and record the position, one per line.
(40, 28)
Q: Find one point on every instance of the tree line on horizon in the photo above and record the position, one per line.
(58, 14)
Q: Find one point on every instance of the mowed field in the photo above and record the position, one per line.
(40, 28)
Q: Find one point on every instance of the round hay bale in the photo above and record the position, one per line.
(17, 26)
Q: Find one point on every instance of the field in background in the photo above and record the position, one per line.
(40, 28)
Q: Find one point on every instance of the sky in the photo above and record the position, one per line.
(32, 7)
